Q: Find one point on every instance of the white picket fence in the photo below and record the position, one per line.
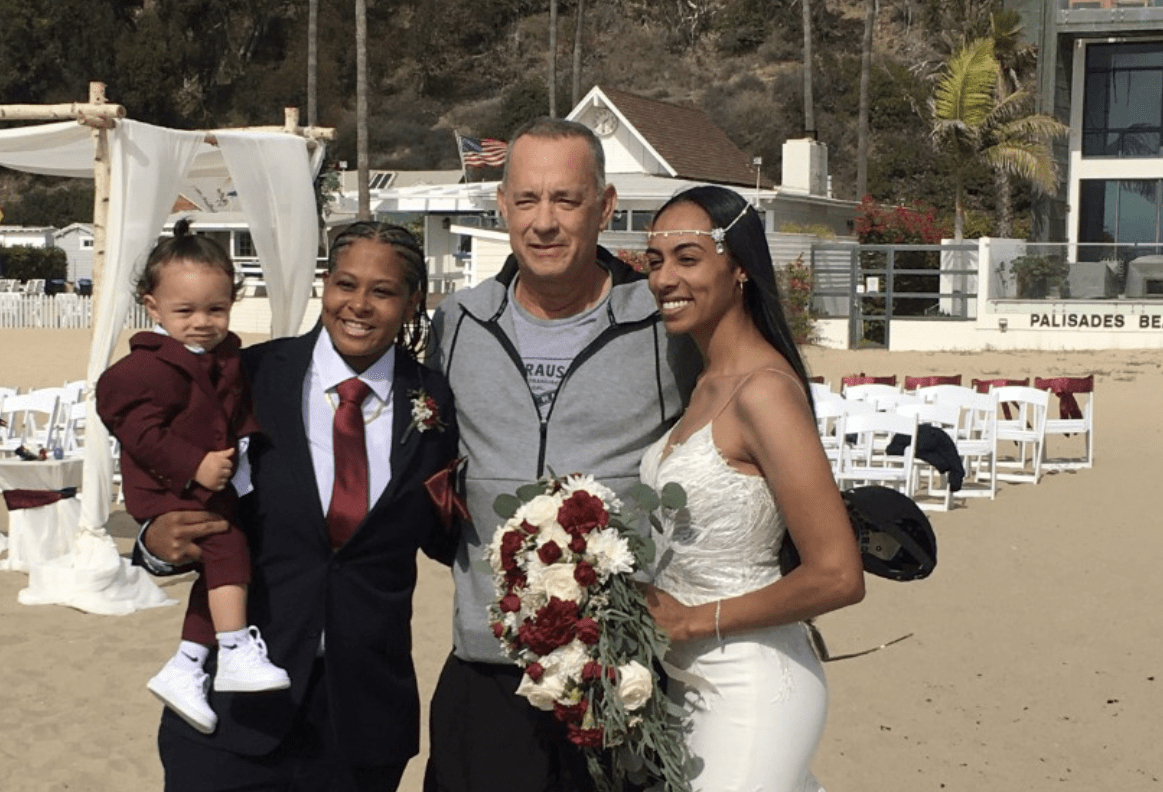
(58, 312)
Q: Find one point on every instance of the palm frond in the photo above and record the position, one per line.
(1025, 159)
(965, 90)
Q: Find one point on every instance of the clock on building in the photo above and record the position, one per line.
(605, 122)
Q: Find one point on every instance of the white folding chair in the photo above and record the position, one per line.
(1083, 425)
(891, 402)
(821, 392)
(863, 456)
(829, 419)
(947, 418)
(870, 392)
(1025, 427)
(73, 430)
(933, 393)
(32, 418)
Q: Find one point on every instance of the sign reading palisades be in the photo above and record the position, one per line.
(1096, 320)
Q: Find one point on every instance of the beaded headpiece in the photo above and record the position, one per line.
(717, 234)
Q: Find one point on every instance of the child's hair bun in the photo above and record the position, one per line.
(182, 227)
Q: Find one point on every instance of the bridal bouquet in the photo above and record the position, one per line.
(569, 614)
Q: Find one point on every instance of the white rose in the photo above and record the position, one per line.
(635, 684)
(610, 553)
(541, 511)
(557, 580)
(544, 692)
(567, 661)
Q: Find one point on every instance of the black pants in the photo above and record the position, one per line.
(306, 761)
(485, 737)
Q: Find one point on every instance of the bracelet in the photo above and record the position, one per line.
(718, 610)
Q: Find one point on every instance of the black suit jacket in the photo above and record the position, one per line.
(359, 596)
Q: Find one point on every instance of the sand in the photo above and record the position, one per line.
(1035, 660)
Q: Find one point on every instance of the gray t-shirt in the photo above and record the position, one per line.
(548, 346)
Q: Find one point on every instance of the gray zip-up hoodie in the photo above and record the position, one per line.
(619, 395)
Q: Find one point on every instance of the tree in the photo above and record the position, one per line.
(862, 116)
(312, 62)
(1014, 62)
(553, 58)
(577, 42)
(809, 109)
(361, 154)
(976, 128)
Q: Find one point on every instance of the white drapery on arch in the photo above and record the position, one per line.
(273, 176)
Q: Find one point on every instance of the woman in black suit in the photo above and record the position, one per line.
(334, 602)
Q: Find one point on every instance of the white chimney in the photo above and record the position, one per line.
(805, 166)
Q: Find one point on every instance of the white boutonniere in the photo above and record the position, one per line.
(425, 414)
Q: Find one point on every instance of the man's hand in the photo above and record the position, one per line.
(171, 536)
(215, 470)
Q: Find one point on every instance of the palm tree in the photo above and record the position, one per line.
(980, 129)
(577, 42)
(1014, 62)
(865, 102)
(553, 58)
(809, 103)
(312, 63)
(361, 157)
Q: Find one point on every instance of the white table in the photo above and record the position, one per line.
(41, 533)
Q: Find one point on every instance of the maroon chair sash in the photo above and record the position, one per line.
(864, 379)
(32, 499)
(1065, 388)
(441, 487)
(984, 385)
(912, 383)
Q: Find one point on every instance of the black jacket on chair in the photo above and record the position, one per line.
(359, 597)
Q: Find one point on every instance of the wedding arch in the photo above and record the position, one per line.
(138, 172)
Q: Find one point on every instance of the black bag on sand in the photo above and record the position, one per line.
(895, 537)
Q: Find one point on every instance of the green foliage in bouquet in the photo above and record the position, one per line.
(570, 614)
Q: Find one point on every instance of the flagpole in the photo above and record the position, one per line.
(460, 153)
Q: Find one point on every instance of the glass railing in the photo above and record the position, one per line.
(1082, 5)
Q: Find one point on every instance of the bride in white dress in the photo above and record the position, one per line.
(748, 455)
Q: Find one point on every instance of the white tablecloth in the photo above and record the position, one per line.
(42, 533)
(67, 566)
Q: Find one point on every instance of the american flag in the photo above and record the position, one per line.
(484, 152)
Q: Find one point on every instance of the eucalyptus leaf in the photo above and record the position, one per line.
(506, 505)
(673, 496)
(528, 492)
(644, 496)
(648, 550)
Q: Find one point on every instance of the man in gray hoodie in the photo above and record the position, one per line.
(561, 364)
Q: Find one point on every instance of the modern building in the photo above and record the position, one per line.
(1100, 70)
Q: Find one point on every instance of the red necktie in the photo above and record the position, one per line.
(349, 496)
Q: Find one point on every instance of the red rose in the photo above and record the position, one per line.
(534, 671)
(515, 578)
(510, 603)
(572, 713)
(577, 543)
(582, 512)
(510, 544)
(498, 630)
(584, 573)
(528, 528)
(553, 626)
(612, 673)
(588, 631)
(591, 671)
(584, 738)
(549, 552)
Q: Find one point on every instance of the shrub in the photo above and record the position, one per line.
(635, 258)
(796, 292)
(899, 225)
(25, 263)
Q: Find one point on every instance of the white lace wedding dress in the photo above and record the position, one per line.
(755, 724)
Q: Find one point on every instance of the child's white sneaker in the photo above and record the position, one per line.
(184, 691)
(244, 668)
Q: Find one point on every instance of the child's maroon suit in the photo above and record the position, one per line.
(169, 407)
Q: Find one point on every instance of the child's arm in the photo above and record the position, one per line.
(136, 400)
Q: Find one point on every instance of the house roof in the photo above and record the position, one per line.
(686, 138)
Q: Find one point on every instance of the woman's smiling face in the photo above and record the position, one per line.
(694, 284)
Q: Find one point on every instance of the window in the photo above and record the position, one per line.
(1122, 111)
(86, 243)
(1117, 211)
(243, 245)
(618, 220)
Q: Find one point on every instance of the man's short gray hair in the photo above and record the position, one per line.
(559, 128)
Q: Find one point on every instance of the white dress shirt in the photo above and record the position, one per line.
(320, 399)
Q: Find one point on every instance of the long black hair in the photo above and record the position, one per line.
(746, 243)
(413, 335)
